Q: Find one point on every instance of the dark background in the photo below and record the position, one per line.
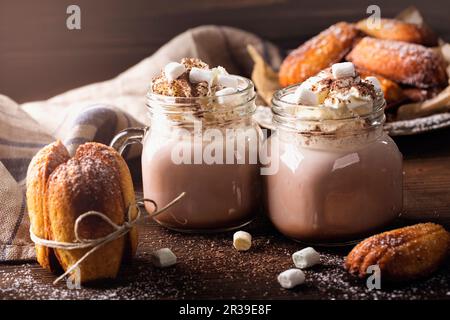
(39, 57)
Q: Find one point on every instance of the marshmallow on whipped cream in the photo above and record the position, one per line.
(338, 88)
(194, 78)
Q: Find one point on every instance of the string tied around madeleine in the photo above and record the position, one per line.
(95, 244)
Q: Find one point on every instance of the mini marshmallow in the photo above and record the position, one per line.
(242, 240)
(221, 70)
(304, 95)
(306, 258)
(343, 70)
(375, 82)
(226, 80)
(163, 258)
(291, 278)
(173, 70)
(200, 75)
(310, 92)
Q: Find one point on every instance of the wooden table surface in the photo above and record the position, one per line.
(210, 268)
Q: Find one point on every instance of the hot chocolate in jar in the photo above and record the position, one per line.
(334, 176)
(201, 141)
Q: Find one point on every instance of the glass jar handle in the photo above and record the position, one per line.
(127, 137)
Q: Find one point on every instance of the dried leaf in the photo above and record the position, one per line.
(263, 76)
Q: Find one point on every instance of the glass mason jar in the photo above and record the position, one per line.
(205, 147)
(333, 181)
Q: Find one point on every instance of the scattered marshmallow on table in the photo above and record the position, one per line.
(242, 241)
(163, 258)
(343, 70)
(306, 258)
(291, 278)
(197, 75)
(173, 70)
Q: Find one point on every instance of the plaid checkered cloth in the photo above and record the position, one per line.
(97, 112)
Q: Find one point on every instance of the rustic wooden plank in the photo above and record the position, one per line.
(427, 189)
(427, 176)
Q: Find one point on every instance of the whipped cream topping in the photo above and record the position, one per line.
(194, 78)
(227, 96)
(336, 92)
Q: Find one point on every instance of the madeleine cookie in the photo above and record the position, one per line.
(60, 189)
(407, 63)
(318, 53)
(402, 254)
(392, 29)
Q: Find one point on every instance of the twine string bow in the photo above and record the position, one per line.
(95, 244)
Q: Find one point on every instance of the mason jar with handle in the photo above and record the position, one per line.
(206, 147)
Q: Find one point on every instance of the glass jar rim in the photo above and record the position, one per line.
(211, 110)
